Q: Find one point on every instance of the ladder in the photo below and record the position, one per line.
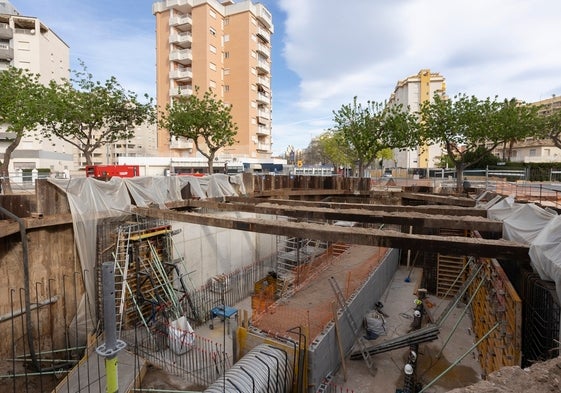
(121, 267)
(355, 329)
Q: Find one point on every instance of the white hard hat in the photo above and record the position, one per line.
(417, 313)
(408, 369)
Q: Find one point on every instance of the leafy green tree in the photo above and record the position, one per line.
(21, 94)
(89, 114)
(334, 150)
(366, 130)
(470, 128)
(206, 120)
(551, 127)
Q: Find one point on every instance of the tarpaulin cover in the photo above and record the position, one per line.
(91, 200)
(525, 223)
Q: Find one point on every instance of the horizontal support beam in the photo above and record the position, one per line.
(10, 227)
(416, 219)
(500, 249)
(428, 209)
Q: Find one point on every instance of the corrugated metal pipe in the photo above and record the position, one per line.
(264, 369)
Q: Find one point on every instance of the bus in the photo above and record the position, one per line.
(312, 171)
(108, 171)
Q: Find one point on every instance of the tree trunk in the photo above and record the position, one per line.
(211, 162)
(459, 177)
(6, 186)
(88, 157)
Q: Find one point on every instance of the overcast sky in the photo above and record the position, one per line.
(325, 52)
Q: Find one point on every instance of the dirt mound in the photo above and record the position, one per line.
(540, 377)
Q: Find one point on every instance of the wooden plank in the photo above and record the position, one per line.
(352, 235)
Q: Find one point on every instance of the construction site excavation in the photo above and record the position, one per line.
(271, 283)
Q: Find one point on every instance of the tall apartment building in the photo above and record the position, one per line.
(26, 42)
(412, 92)
(223, 46)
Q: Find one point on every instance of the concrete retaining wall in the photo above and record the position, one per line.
(323, 352)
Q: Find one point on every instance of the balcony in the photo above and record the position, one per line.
(263, 15)
(184, 73)
(6, 53)
(263, 98)
(263, 131)
(181, 91)
(6, 32)
(181, 22)
(182, 40)
(264, 50)
(180, 5)
(263, 67)
(264, 147)
(265, 115)
(183, 56)
(181, 143)
(264, 34)
(264, 81)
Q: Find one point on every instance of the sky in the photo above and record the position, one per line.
(325, 52)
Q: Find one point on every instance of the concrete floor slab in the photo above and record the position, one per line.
(388, 374)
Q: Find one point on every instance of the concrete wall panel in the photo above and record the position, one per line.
(323, 355)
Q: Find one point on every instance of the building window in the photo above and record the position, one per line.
(212, 48)
(212, 31)
(547, 152)
(226, 71)
(532, 152)
(226, 88)
(226, 38)
(212, 84)
(226, 55)
(226, 21)
(212, 14)
(212, 66)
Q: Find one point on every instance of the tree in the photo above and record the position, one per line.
(21, 94)
(367, 130)
(89, 114)
(202, 119)
(470, 128)
(551, 127)
(334, 150)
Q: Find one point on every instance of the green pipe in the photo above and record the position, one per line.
(460, 358)
(460, 318)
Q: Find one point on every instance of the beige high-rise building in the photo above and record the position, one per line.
(223, 46)
(412, 92)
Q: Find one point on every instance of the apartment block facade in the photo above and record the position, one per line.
(534, 150)
(27, 43)
(223, 46)
(412, 92)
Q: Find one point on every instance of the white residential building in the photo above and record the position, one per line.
(26, 42)
(412, 92)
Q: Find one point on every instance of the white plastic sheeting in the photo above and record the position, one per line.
(503, 209)
(91, 200)
(545, 253)
(540, 228)
(525, 223)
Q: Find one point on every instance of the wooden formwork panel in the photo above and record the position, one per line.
(496, 301)
(448, 279)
